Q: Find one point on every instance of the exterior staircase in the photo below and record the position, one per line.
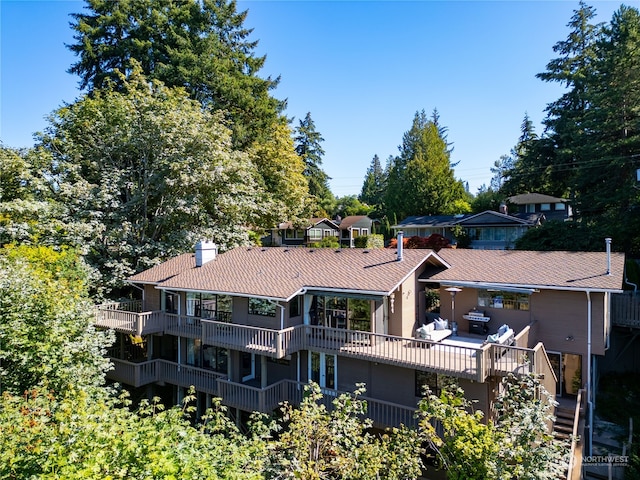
(563, 426)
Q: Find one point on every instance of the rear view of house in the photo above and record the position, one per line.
(254, 324)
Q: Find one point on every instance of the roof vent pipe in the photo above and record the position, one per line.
(205, 252)
(608, 242)
(400, 245)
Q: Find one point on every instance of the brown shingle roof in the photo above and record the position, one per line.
(558, 270)
(278, 272)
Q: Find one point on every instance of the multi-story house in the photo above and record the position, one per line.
(253, 325)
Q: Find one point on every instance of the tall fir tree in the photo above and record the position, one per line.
(372, 192)
(200, 45)
(307, 141)
(421, 179)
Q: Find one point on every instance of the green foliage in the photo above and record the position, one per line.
(518, 444)
(350, 205)
(327, 242)
(202, 46)
(43, 435)
(308, 146)
(555, 235)
(369, 241)
(317, 442)
(144, 173)
(592, 131)
(463, 240)
(420, 181)
(374, 186)
(284, 191)
(486, 199)
(25, 213)
(47, 336)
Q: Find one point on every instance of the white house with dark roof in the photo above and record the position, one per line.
(253, 324)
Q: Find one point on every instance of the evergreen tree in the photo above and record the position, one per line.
(605, 179)
(420, 179)
(373, 187)
(574, 69)
(201, 45)
(307, 141)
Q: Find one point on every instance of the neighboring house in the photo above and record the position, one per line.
(488, 230)
(553, 208)
(352, 227)
(253, 325)
(315, 230)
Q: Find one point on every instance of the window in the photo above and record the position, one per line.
(560, 206)
(259, 306)
(208, 305)
(355, 232)
(359, 314)
(315, 234)
(429, 379)
(505, 300)
(215, 358)
(364, 232)
(328, 232)
(530, 208)
(545, 207)
(294, 307)
(171, 301)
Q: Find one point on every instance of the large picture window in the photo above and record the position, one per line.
(259, 306)
(505, 300)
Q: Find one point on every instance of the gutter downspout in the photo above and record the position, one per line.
(589, 379)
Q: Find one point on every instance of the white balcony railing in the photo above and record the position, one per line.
(133, 323)
(471, 362)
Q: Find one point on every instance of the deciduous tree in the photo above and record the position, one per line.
(143, 173)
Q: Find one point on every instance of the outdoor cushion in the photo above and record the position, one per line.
(493, 338)
(440, 324)
(503, 329)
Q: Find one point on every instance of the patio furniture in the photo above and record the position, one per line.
(435, 331)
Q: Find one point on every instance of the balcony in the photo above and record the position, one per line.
(126, 317)
(138, 374)
(470, 361)
(266, 400)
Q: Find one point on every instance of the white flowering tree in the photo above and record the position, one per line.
(143, 173)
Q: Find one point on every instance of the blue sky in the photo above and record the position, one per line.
(361, 68)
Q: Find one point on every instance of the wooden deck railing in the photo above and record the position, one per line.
(134, 323)
(136, 374)
(625, 309)
(272, 343)
(202, 379)
(266, 400)
(139, 374)
(471, 362)
(183, 326)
